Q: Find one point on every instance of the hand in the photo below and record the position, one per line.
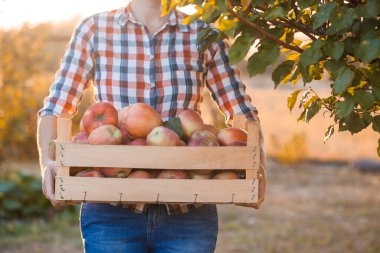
(49, 171)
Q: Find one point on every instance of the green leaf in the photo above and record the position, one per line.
(376, 123)
(341, 19)
(312, 110)
(334, 49)
(305, 3)
(306, 77)
(369, 48)
(354, 123)
(367, 118)
(202, 34)
(240, 48)
(313, 53)
(323, 14)
(175, 125)
(274, 13)
(329, 133)
(370, 9)
(292, 99)
(207, 41)
(282, 71)
(365, 99)
(258, 62)
(344, 108)
(376, 92)
(221, 4)
(343, 79)
(211, 15)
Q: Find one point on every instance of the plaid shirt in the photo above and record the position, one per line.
(128, 65)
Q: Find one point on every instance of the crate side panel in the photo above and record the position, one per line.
(156, 157)
(156, 190)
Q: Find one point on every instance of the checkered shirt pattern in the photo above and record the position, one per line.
(115, 53)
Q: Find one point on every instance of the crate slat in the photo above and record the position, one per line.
(155, 157)
(156, 190)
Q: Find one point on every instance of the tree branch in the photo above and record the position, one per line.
(264, 33)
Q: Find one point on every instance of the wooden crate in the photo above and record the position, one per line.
(70, 188)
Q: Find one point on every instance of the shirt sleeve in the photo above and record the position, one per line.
(225, 85)
(72, 78)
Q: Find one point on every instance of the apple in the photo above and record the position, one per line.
(115, 172)
(226, 175)
(181, 143)
(162, 136)
(106, 135)
(99, 114)
(80, 138)
(89, 173)
(141, 119)
(122, 115)
(203, 138)
(210, 128)
(140, 174)
(125, 136)
(173, 174)
(238, 143)
(191, 121)
(137, 142)
(230, 135)
(200, 174)
(81, 127)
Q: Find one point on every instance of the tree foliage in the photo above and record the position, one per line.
(340, 38)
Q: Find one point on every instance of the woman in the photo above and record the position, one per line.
(134, 55)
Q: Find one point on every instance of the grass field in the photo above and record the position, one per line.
(308, 209)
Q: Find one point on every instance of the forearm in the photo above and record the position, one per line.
(46, 133)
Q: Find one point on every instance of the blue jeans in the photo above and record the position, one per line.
(106, 228)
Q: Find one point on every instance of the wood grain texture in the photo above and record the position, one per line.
(156, 190)
(63, 136)
(155, 157)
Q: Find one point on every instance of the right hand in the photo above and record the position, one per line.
(49, 171)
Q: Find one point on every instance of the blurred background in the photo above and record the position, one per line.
(321, 197)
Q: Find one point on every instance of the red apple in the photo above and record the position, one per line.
(106, 135)
(226, 175)
(210, 128)
(238, 143)
(89, 173)
(99, 114)
(181, 143)
(203, 138)
(122, 115)
(140, 174)
(173, 174)
(115, 172)
(137, 142)
(141, 119)
(191, 121)
(80, 138)
(162, 136)
(230, 135)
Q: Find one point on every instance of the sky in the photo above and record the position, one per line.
(13, 13)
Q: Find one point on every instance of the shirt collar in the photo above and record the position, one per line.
(175, 19)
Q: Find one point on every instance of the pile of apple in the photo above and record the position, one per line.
(140, 124)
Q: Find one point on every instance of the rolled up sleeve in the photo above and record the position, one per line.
(74, 75)
(225, 85)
